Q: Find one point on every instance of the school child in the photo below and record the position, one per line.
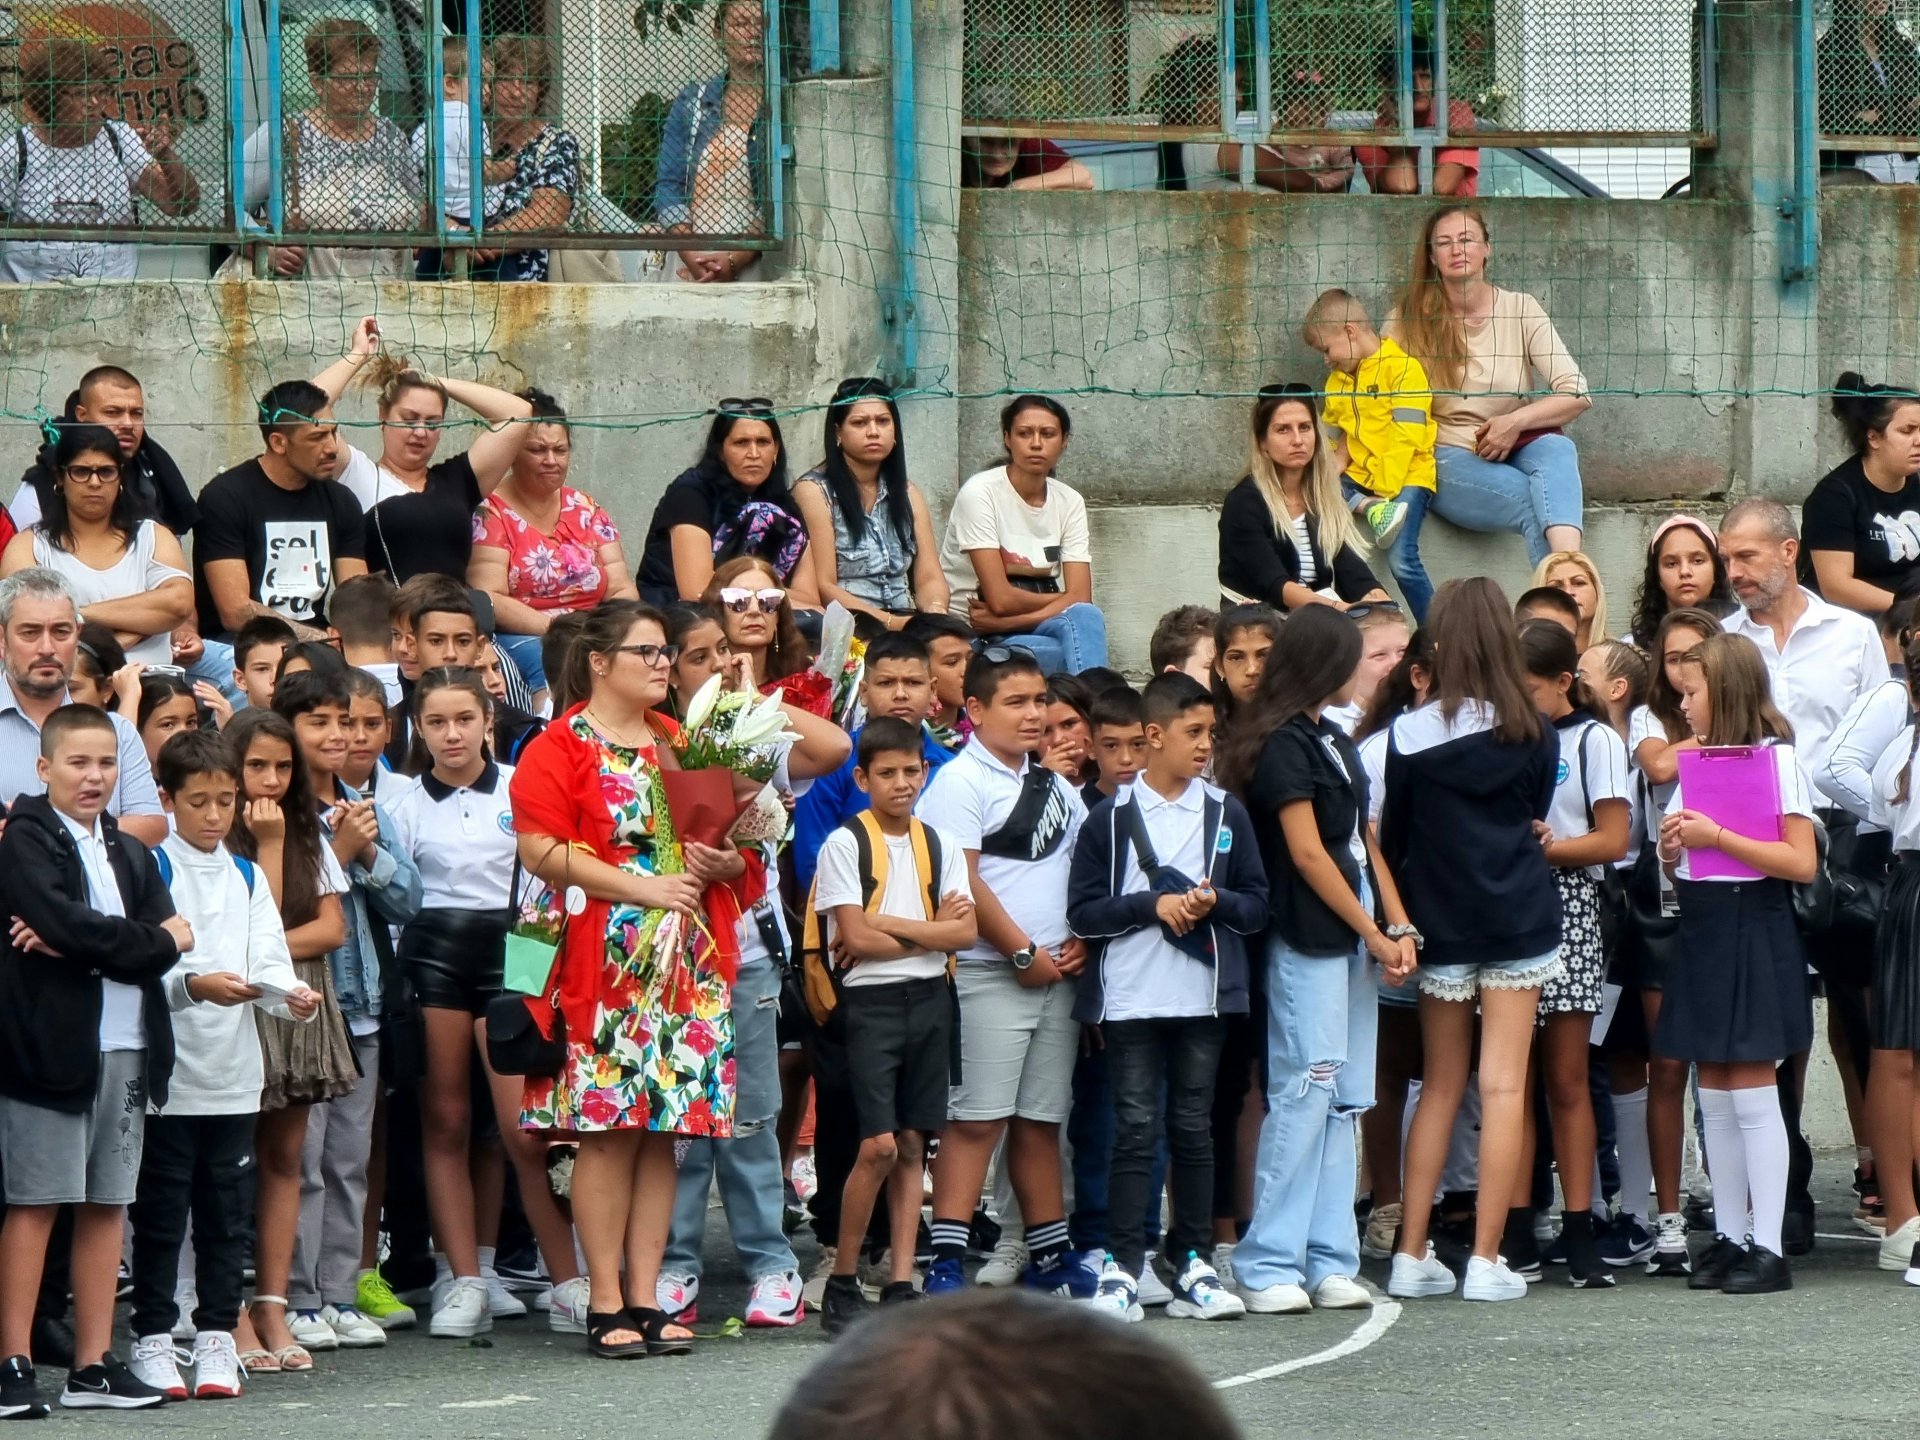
(456, 825)
(1182, 640)
(85, 1042)
(1383, 640)
(1591, 821)
(1118, 752)
(257, 652)
(949, 642)
(1166, 884)
(1380, 400)
(1335, 928)
(894, 897)
(198, 1153)
(1893, 995)
(1737, 1004)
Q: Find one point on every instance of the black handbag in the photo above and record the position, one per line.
(515, 1045)
(1857, 864)
(1814, 902)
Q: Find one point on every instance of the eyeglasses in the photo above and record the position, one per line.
(750, 405)
(737, 599)
(356, 78)
(93, 475)
(1367, 607)
(650, 655)
(1001, 654)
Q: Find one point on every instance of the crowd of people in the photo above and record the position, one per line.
(365, 949)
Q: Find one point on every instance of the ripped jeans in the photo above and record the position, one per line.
(748, 1165)
(1320, 1036)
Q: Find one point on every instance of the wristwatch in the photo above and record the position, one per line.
(1023, 958)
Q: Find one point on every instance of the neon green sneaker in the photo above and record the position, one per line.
(374, 1298)
(1384, 518)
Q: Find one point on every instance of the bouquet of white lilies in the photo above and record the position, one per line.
(733, 730)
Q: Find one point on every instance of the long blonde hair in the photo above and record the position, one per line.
(1597, 625)
(1428, 328)
(1333, 525)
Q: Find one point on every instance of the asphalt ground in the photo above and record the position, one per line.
(1645, 1361)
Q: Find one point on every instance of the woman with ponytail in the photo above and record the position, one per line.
(1860, 526)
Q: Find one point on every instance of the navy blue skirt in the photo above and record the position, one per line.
(1737, 990)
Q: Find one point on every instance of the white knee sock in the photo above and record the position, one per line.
(1763, 1134)
(1727, 1162)
(1636, 1158)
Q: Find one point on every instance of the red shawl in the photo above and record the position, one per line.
(556, 792)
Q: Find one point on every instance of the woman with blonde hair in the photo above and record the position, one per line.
(1287, 538)
(1503, 386)
(1574, 573)
(420, 512)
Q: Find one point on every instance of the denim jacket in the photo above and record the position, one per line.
(386, 892)
(685, 140)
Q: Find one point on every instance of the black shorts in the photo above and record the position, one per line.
(900, 1043)
(455, 958)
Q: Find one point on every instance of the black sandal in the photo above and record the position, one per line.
(654, 1324)
(612, 1323)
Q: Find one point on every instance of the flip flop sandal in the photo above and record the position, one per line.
(654, 1324)
(599, 1326)
(259, 1362)
(294, 1359)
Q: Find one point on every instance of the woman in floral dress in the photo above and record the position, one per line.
(645, 971)
(542, 548)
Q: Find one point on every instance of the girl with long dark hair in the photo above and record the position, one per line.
(1683, 571)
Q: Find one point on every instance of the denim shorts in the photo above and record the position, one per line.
(1466, 980)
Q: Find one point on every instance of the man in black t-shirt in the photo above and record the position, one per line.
(276, 535)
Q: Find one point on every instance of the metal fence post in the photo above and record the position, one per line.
(477, 152)
(1800, 256)
(237, 115)
(906, 187)
(776, 116)
(823, 36)
(276, 137)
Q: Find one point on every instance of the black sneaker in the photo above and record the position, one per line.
(842, 1303)
(1519, 1247)
(899, 1292)
(1760, 1272)
(20, 1397)
(110, 1385)
(1585, 1269)
(983, 1234)
(1716, 1262)
(1796, 1232)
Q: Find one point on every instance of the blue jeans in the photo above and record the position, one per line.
(525, 651)
(1074, 640)
(1320, 1037)
(1403, 551)
(1090, 1136)
(752, 1186)
(1522, 495)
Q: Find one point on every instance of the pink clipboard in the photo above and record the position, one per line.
(1737, 786)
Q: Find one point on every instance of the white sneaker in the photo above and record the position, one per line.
(1153, 1290)
(1118, 1295)
(815, 1290)
(775, 1301)
(805, 1179)
(1277, 1300)
(567, 1315)
(186, 1299)
(504, 1304)
(1200, 1294)
(462, 1312)
(678, 1296)
(1896, 1248)
(1413, 1279)
(155, 1362)
(1491, 1280)
(310, 1332)
(216, 1367)
(1341, 1292)
(355, 1330)
(1005, 1266)
(1223, 1262)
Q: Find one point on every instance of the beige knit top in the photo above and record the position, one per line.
(1511, 357)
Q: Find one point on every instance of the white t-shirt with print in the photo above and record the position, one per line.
(1033, 541)
(61, 186)
(839, 884)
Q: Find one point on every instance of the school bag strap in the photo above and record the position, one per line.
(822, 981)
(164, 862)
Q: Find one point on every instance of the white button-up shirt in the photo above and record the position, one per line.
(1831, 658)
(123, 1024)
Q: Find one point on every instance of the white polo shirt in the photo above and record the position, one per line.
(969, 798)
(1832, 657)
(461, 840)
(1143, 976)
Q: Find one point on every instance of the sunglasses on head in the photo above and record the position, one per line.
(738, 599)
(1367, 607)
(1001, 654)
(749, 405)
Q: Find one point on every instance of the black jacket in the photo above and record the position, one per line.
(1296, 763)
(1257, 557)
(1456, 831)
(159, 489)
(50, 1005)
(1100, 907)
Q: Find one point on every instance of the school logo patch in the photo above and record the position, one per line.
(506, 822)
(1561, 772)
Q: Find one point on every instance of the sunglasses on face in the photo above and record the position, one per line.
(650, 655)
(738, 600)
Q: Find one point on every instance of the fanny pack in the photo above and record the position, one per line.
(1167, 880)
(1036, 825)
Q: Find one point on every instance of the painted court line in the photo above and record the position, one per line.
(1385, 1313)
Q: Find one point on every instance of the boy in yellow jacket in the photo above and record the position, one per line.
(1378, 397)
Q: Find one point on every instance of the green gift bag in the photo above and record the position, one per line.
(530, 962)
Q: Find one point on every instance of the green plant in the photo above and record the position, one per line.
(673, 16)
(630, 156)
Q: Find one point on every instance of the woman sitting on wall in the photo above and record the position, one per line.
(1860, 526)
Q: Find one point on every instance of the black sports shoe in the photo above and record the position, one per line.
(1716, 1262)
(110, 1385)
(20, 1397)
(899, 1292)
(983, 1233)
(842, 1303)
(1760, 1272)
(1796, 1232)
(1585, 1270)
